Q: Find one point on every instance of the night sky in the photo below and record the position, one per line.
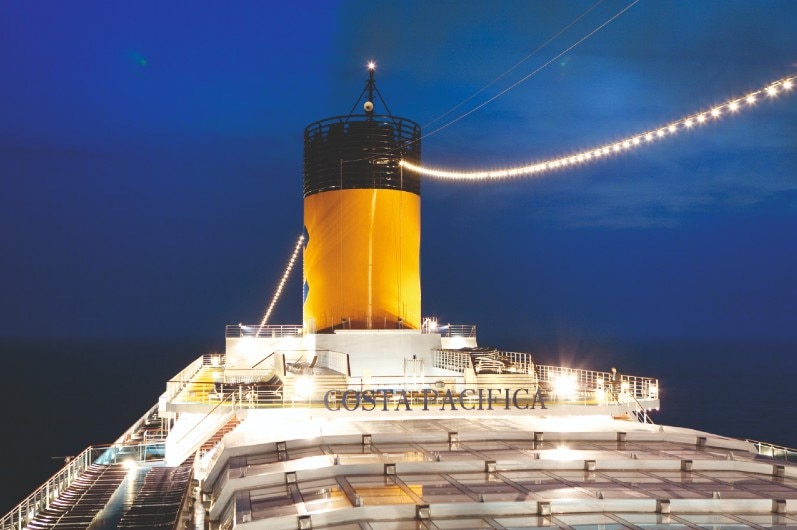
(151, 163)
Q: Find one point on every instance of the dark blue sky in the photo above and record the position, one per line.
(151, 157)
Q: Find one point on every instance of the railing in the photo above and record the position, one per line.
(44, 495)
(260, 371)
(519, 362)
(778, 452)
(179, 381)
(229, 399)
(331, 359)
(505, 361)
(246, 376)
(40, 499)
(214, 359)
(244, 394)
(580, 382)
(396, 383)
(639, 412)
(143, 452)
(451, 360)
(232, 331)
(204, 460)
(431, 325)
(128, 434)
(334, 360)
(457, 330)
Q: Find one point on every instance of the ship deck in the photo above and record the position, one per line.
(570, 472)
(402, 458)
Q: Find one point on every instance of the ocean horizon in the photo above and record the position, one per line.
(62, 396)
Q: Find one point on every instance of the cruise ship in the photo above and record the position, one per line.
(370, 415)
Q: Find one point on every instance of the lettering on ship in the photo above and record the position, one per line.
(428, 399)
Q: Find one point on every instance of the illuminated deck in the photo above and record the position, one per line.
(409, 452)
(500, 472)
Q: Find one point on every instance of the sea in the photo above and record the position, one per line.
(60, 396)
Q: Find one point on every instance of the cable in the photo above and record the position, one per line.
(526, 58)
(537, 70)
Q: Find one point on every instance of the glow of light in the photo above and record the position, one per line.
(600, 395)
(282, 282)
(537, 168)
(564, 386)
(372, 65)
(304, 387)
(562, 452)
(129, 465)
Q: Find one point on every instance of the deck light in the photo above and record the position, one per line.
(564, 386)
(304, 387)
(562, 452)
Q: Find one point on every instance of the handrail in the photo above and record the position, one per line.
(232, 331)
(176, 384)
(775, 451)
(643, 410)
(127, 435)
(264, 359)
(636, 386)
(214, 359)
(457, 330)
(41, 498)
(231, 395)
(44, 495)
(205, 460)
(456, 361)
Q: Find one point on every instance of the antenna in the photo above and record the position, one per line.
(369, 104)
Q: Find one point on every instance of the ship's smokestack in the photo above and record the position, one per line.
(362, 215)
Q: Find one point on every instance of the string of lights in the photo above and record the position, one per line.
(283, 281)
(730, 107)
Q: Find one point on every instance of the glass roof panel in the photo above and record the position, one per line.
(461, 524)
(532, 522)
